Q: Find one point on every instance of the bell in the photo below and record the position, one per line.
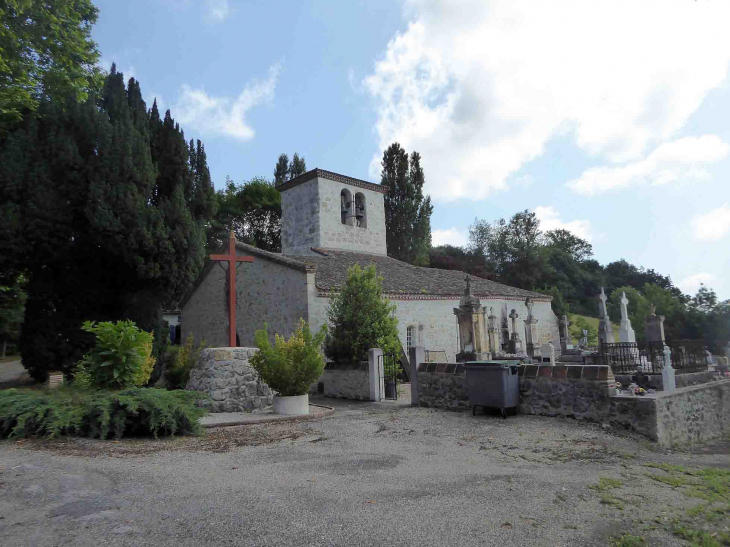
(359, 213)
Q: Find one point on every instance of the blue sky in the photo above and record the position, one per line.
(610, 122)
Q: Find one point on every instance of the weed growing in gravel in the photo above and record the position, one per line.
(628, 540)
(608, 499)
(672, 480)
(702, 538)
(604, 484)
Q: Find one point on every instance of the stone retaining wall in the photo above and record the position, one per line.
(690, 414)
(231, 382)
(347, 382)
(693, 414)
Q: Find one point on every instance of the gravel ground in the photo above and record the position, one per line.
(366, 476)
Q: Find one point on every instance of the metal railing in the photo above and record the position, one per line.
(648, 357)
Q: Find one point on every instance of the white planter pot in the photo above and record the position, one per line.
(297, 405)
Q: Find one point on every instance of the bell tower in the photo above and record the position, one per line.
(325, 210)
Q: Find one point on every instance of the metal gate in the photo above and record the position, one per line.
(391, 371)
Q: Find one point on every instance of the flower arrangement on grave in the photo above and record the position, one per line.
(290, 367)
(640, 391)
(617, 386)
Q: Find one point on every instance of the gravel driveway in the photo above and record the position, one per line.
(362, 477)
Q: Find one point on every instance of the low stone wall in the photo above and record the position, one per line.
(347, 381)
(693, 414)
(442, 385)
(231, 382)
(690, 414)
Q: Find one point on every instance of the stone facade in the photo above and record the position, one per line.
(267, 291)
(231, 382)
(311, 216)
(347, 382)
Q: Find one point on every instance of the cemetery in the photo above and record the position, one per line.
(196, 352)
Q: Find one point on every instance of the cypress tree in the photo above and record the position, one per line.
(407, 211)
(106, 218)
(281, 171)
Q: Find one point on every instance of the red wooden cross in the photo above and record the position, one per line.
(232, 258)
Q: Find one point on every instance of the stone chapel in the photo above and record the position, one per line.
(329, 223)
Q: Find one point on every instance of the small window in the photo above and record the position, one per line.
(346, 207)
(410, 331)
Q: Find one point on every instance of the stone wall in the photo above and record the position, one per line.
(347, 382)
(694, 414)
(442, 385)
(227, 377)
(267, 291)
(300, 218)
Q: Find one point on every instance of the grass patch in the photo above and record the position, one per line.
(672, 480)
(608, 499)
(99, 413)
(669, 468)
(604, 484)
(628, 540)
(701, 538)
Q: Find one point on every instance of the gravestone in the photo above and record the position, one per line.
(605, 330)
(515, 341)
(584, 341)
(493, 331)
(505, 330)
(547, 351)
(565, 341)
(668, 380)
(654, 327)
(531, 335)
(625, 332)
(472, 332)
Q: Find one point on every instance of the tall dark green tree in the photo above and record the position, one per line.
(105, 213)
(297, 167)
(407, 210)
(281, 171)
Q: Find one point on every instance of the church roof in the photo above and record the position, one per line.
(321, 173)
(405, 279)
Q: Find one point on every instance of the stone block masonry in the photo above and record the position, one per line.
(347, 382)
(226, 375)
(688, 415)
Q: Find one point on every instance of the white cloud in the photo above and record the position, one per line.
(218, 9)
(679, 160)
(450, 236)
(550, 220)
(223, 115)
(479, 88)
(691, 284)
(714, 225)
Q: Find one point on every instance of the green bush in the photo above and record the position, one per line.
(99, 414)
(121, 357)
(289, 367)
(361, 319)
(180, 360)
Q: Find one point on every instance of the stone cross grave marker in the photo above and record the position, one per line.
(625, 331)
(232, 258)
(605, 330)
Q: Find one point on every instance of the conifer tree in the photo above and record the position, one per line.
(297, 167)
(281, 171)
(407, 210)
(106, 211)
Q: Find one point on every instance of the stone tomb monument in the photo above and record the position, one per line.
(654, 327)
(493, 331)
(565, 341)
(472, 327)
(531, 334)
(515, 343)
(625, 332)
(605, 330)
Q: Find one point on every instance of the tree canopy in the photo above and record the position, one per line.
(104, 213)
(46, 52)
(407, 210)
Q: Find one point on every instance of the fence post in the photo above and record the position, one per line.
(375, 373)
(416, 355)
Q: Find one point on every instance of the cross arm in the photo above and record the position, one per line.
(226, 258)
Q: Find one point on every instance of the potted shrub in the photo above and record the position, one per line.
(290, 367)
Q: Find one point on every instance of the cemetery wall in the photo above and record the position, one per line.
(693, 414)
(347, 382)
(266, 292)
(227, 376)
(655, 381)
